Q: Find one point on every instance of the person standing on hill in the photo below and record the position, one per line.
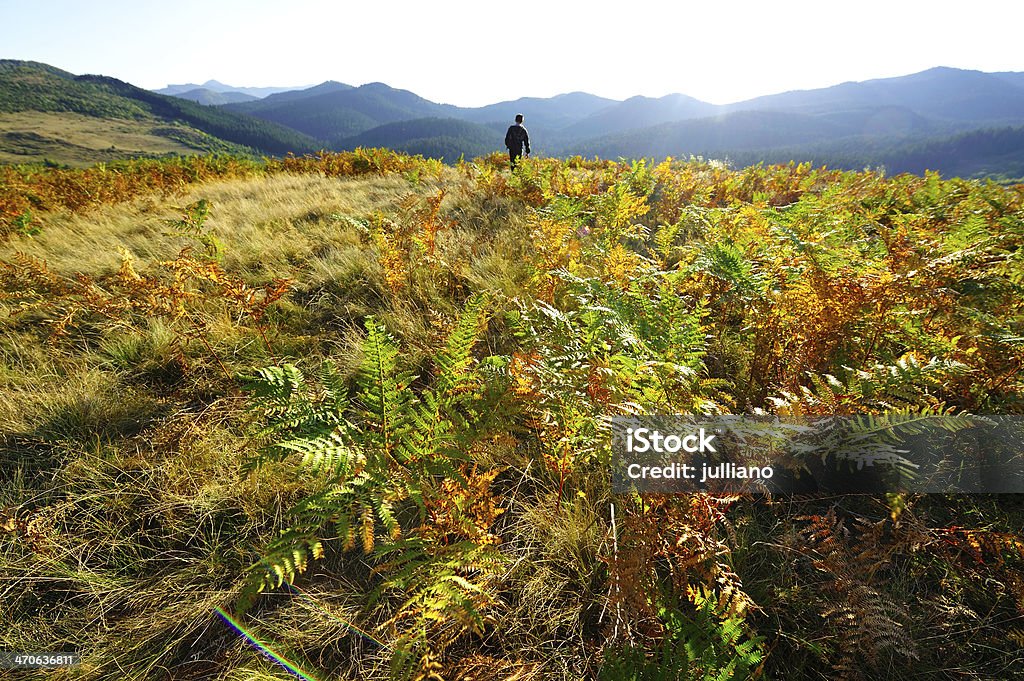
(517, 139)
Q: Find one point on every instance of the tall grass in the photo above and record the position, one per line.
(126, 518)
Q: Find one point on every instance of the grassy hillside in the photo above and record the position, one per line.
(262, 135)
(75, 139)
(33, 87)
(357, 405)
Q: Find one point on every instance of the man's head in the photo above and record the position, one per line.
(519, 118)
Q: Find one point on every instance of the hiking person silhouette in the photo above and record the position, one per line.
(516, 139)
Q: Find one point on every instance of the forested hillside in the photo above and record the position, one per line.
(29, 87)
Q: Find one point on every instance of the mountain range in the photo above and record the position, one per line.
(952, 120)
(217, 86)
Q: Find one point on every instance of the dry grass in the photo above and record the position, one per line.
(135, 491)
(121, 448)
(268, 224)
(81, 140)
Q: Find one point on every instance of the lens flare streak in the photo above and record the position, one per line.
(264, 648)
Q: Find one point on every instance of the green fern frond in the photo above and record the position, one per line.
(710, 645)
(285, 558)
(387, 449)
(455, 358)
(276, 382)
(328, 451)
(441, 420)
(382, 390)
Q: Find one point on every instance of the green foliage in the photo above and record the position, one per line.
(387, 448)
(473, 480)
(24, 224)
(450, 584)
(191, 225)
(710, 645)
(644, 346)
(29, 86)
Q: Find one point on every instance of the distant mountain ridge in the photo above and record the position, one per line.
(557, 111)
(212, 97)
(942, 93)
(217, 86)
(337, 112)
(640, 112)
(917, 108)
(905, 121)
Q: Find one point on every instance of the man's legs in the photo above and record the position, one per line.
(513, 157)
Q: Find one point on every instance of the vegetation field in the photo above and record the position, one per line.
(347, 417)
(75, 139)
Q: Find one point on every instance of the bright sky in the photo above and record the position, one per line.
(474, 52)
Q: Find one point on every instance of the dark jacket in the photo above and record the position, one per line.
(516, 139)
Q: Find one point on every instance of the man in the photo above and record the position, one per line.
(516, 139)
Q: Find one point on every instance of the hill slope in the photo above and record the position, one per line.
(880, 116)
(544, 112)
(638, 112)
(344, 111)
(29, 86)
(239, 128)
(751, 130)
(78, 140)
(444, 138)
(956, 95)
(877, 122)
(274, 100)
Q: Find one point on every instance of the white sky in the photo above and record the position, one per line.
(478, 52)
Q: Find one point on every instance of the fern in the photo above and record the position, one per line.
(710, 645)
(869, 626)
(297, 417)
(444, 585)
(382, 390)
(389, 448)
(286, 557)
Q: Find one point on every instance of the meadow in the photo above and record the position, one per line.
(355, 407)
